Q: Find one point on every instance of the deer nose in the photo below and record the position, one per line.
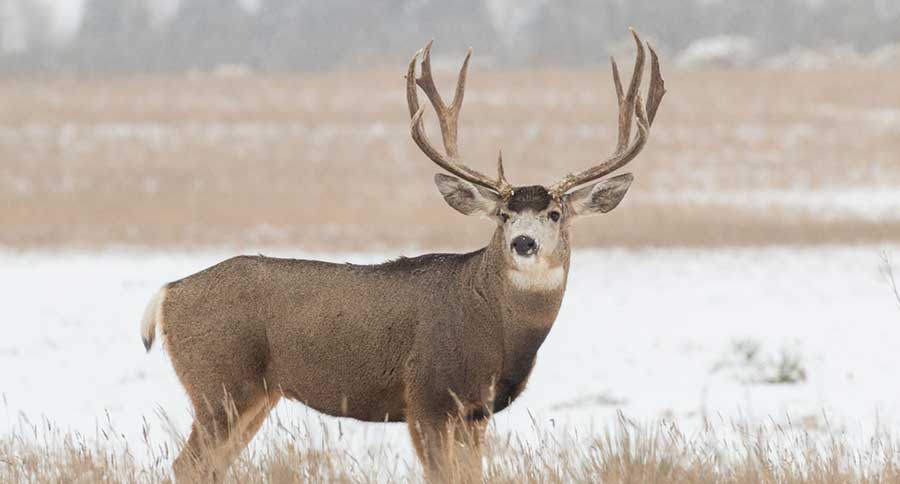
(524, 245)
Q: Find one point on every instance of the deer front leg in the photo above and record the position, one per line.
(449, 445)
(431, 439)
(466, 454)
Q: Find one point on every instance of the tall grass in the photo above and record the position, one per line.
(627, 452)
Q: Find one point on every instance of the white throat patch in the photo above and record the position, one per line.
(538, 276)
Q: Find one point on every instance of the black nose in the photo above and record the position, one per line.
(524, 245)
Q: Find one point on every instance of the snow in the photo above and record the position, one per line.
(721, 50)
(886, 55)
(657, 333)
(869, 204)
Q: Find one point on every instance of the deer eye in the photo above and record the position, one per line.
(554, 216)
(504, 217)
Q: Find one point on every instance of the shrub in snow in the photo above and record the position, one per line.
(747, 362)
(888, 270)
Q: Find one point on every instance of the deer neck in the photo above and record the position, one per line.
(525, 298)
(525, 314)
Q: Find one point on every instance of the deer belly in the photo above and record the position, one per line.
(342, 378)
(375, 406)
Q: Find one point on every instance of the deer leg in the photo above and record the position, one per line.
(449, 447)
(468, 436)
(219, 433)
(432, 438)
(248, 424)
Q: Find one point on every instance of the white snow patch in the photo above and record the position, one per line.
(872, 204)
(721, 50)
(639, 330)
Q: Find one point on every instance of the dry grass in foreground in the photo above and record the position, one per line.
(628, 452)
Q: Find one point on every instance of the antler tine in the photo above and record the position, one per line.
(501, 177)
(412, 99)
(626, 105)
(630, 106)
(618, 82)
(448, 118)
(657, 86)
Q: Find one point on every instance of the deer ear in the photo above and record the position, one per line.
(600, 197)
(465, 197)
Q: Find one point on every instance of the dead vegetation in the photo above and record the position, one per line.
(627, 452)
(749, 362)
(318, 162)
(887, 269)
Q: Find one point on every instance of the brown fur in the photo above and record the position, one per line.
(440, 341)
(410, 340)
(529, 198)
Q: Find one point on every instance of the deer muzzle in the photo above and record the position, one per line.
(525, 246)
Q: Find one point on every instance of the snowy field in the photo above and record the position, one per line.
(682, 334)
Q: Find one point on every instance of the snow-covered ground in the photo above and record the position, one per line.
(657, 333)
(865, 204)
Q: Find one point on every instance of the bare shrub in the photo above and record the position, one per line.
(888, 270)
(748, 362)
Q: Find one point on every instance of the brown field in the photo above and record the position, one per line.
(628, 452)
(325, 162)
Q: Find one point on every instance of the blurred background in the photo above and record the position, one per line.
(283, 122)
(743, 276)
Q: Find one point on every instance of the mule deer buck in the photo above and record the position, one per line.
(440, 341)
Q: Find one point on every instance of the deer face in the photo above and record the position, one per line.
(534, 223)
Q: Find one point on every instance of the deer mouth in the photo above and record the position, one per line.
(530, 254)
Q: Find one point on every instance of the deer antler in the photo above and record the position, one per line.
(630, 105)
(448, 118)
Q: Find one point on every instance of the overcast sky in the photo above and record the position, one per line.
(63, 19)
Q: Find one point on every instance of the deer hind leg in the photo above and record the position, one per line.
(219, 433)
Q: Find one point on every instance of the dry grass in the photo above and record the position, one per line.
(325, 161)
(888, 270)
(626, 453)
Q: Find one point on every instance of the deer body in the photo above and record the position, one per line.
(440, 341)
(350, 340)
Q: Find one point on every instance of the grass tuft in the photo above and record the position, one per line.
(627, 451)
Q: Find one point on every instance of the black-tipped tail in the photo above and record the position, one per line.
(152, 318)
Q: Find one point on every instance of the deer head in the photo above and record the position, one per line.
(533, 221)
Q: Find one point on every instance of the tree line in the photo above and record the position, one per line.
(124, 37)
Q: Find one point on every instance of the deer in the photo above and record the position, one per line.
(439, 341)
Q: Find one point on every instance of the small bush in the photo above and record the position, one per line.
(747, 362)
